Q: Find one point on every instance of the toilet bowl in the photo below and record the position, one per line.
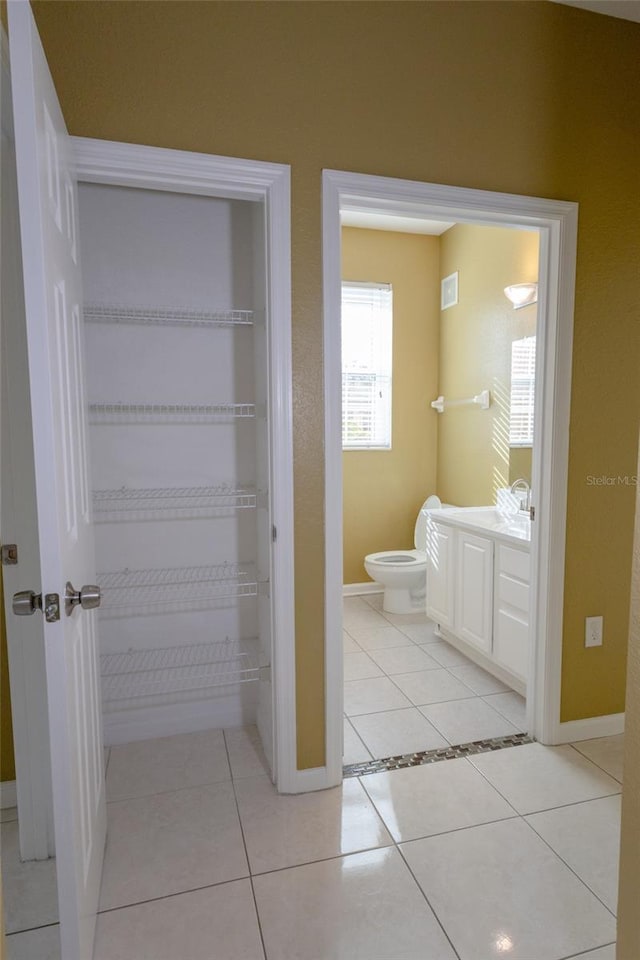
(403, 573)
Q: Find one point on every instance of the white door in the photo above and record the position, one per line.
(48, 218)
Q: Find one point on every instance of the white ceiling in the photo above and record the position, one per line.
(625, 9)
(373, 220)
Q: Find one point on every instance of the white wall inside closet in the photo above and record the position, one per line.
(174, 288)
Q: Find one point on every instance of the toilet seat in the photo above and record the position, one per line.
(405, 558)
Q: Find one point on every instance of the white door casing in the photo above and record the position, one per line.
(557, 223)
(47, 194)
(268, 185)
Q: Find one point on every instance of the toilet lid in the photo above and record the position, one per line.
(420, 533)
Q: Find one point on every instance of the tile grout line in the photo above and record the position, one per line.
(585, 953)
(246, 851)
(569, 867)
(427, 901)
(593, 761)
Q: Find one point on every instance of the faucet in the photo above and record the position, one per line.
(521, 486)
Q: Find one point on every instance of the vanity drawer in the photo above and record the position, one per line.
(516, 563)
(513, 592)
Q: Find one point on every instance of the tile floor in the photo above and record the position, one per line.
(512, 853)
(406, 690)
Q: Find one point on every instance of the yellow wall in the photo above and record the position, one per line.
(628, 916)
(441, 91)
(384, 489)
(475, 355)
(7, 763)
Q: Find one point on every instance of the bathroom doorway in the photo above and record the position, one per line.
(393, 662)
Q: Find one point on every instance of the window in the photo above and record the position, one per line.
(366, 366)
(523, 373)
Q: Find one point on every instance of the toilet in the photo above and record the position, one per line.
(403, 573)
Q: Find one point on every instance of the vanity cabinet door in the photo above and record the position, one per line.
(441, 541)
(474, 603)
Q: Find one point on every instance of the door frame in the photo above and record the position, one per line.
(178, 171)
(557, 223)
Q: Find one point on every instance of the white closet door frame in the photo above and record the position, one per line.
(154, 168)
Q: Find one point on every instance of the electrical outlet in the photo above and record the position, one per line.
(593, 632)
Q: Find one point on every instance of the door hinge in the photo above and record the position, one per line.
(9, 554)
(532, 513)
(274, 533)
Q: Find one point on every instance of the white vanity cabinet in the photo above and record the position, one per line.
(478, 590)
(511, 605)
(474, 590)
(441, 573)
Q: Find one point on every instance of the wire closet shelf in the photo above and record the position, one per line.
(176, 673)
(154, 316)
(180, 503)
(135, 593)
(168, 413)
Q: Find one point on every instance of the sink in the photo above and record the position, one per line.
(490, 518)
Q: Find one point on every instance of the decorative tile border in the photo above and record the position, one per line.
(434, 756)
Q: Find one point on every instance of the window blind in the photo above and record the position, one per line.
(523, 374)
(367, 332)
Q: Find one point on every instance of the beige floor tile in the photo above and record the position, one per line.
(372, 696)
(432, 686)
(155, 766)
(41, 944)
(404, 659)
(216, 922)
(378, 636)
(246, 756)
(602, 953)
(434, 798)
(170, 843)
(281, 831)
(29, 889)
(462, 721)
(360, 666)
(374, 600)
(423, 632)
(354, 750)
(446, 654)
(394, 732)
(512, 706)
(533, 777)
(606, 752)
(349, 645)
(480, 681)
(361, 907)
(587, 837)
(498, 891)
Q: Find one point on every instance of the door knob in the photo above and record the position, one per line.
(26, 602)
(88, 597)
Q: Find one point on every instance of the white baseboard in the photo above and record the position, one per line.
(306, 781)
(609, 725)
(146, 723)
(8, 794)
(358, 589)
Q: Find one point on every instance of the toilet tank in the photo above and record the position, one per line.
(420, 532)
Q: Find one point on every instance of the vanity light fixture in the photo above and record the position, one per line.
(522, 294)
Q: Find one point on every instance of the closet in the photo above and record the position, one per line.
(177, 385)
